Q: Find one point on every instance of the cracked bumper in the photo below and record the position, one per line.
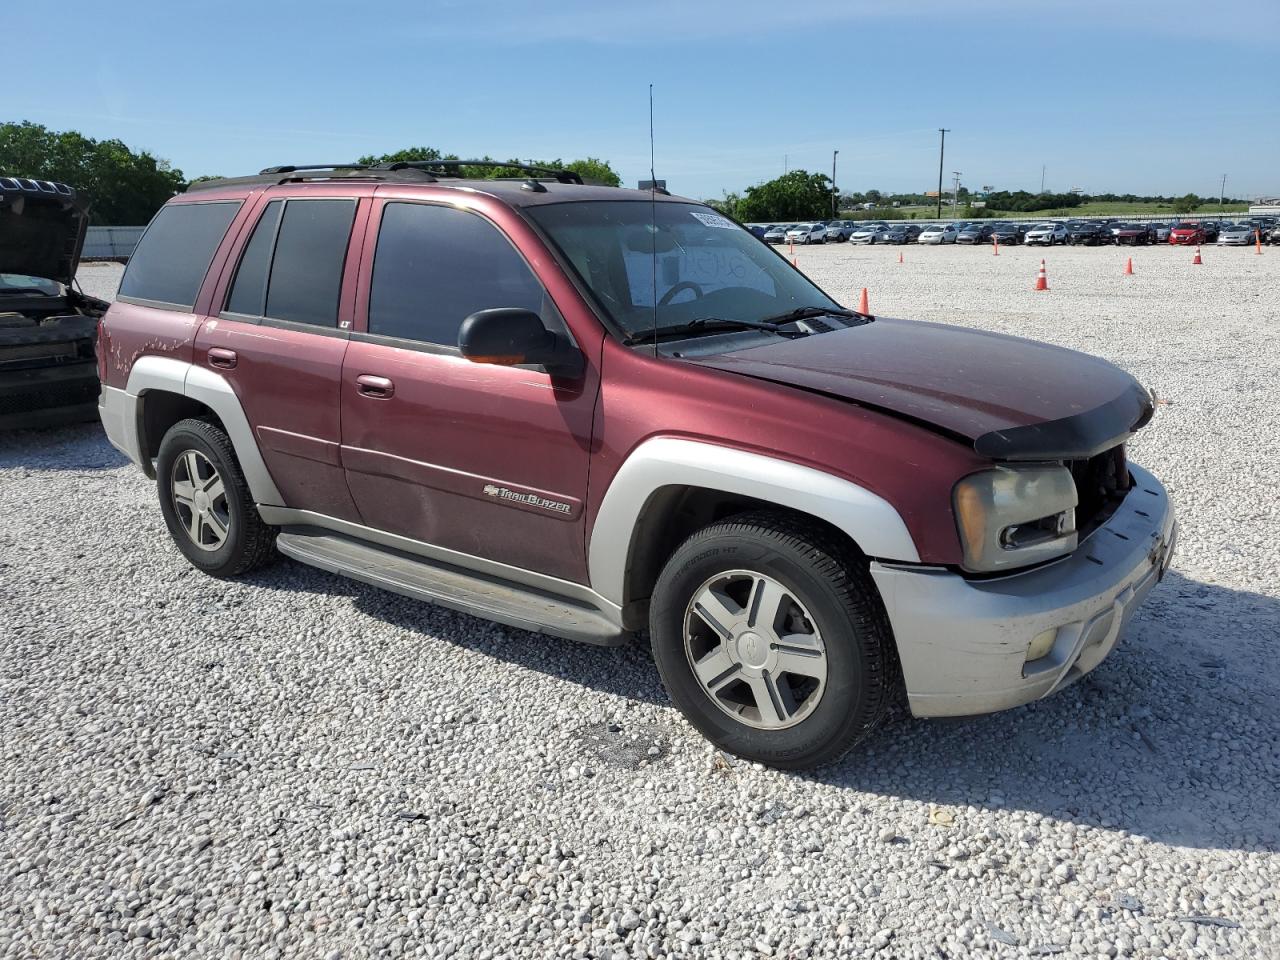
(963, 643)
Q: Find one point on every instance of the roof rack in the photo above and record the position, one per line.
(560, 176)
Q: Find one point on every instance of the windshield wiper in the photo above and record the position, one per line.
(803, 313)
(709, 324)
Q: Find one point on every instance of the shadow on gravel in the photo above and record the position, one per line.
(80, 446)
(1175, 737)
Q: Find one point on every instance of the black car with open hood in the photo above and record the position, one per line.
(48, 373)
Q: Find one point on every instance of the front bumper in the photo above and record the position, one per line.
(48, 396)
(963, 643)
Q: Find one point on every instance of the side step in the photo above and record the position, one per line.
(488, 597)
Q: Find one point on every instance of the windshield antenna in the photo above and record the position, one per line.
(653, 224)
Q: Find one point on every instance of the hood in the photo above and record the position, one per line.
(42, 228)
(1012, 399)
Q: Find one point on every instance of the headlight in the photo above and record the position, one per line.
(1014, 516)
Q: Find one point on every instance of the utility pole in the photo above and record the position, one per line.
(942, 149)
(1222, 199)
(834, 195)
(955, 195)
(785, 168)
(1042, 178)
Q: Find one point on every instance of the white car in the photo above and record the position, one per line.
(1046, 235)
(807, 233)
(939, 233)
(867, 233)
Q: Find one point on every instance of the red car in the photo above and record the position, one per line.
(593, 412)
(1187, 232)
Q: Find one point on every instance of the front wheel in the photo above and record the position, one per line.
(206, 502)
(771, 638)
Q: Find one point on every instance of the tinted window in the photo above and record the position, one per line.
(434, 266)
(306, 270)
(249, 293)
(174, 254)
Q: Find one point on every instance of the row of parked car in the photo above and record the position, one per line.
(1073, 232)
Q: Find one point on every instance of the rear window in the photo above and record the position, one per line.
(174, 253)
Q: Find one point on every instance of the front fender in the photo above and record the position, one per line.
(869, 519)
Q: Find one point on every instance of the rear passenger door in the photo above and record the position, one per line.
(484, 460)
(280, 336)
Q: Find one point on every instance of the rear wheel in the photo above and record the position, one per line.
(206, 502)
(771, 639)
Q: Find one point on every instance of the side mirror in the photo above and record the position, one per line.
(509, 336)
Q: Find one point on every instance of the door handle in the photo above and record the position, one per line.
(378, 388)
(221, 357)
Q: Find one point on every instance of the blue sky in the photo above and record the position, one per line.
(1127, 96)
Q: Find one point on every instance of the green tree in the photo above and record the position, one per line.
(125, 188)
(798, 195)
(591, 169)
(1186, 204)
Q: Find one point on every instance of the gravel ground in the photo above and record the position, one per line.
(297, 765)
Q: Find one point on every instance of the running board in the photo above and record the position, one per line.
(491, 598)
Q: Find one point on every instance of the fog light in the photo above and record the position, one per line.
(1041, 644)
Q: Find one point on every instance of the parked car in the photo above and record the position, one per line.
(1159, 232)
(976, 233)
(867, 232)
(1132, 234)
(898, 233)
(939, 233)
(1236, 235)
(1046, 234)
(781, 496)
(757, 230)
(778, 233)
(48, 371)
(838, 231)
(807, 233)
(1275, 234)
(1006, 233)
(1086, 234)
(1188, 232)
(1211, 228)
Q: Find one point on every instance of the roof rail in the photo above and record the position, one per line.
(560, 176)
(295, 167)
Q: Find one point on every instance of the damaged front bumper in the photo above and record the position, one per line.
(964, 643)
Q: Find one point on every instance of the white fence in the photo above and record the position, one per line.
(110, 243)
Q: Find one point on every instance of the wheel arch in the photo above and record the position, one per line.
(669, 487)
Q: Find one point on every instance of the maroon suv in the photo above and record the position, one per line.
(588, 411)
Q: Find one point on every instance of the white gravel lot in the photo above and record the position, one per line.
(297, 765)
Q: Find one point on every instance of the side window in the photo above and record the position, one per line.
(434, 266)
(174, 254)
(291, 268)
(249, 292)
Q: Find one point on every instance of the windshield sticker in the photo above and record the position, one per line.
(713, 220)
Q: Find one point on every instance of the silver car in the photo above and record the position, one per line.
(807, 233)
(867, 232)
(778, 234)
(1235, 235)
(839, 231)
(939, 233)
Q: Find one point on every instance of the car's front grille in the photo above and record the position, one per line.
(1101, 484)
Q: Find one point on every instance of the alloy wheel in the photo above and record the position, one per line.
(200, 499)
(755, 650)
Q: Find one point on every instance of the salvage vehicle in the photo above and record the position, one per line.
(1236, 235)
(592, 412)
(48, 373)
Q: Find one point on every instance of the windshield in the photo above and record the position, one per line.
(707, 266)
(21, 283)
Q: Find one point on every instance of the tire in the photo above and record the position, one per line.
(198, 453)
(828, 603)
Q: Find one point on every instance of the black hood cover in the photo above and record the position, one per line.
(42, 228)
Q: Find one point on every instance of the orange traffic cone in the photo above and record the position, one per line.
(900, 256)
(1257, 242)
(793, 261)
(1196, 261)
(1042, 281)
(995, 246)
(1128, 267)
(863, 307)
(792, 245)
